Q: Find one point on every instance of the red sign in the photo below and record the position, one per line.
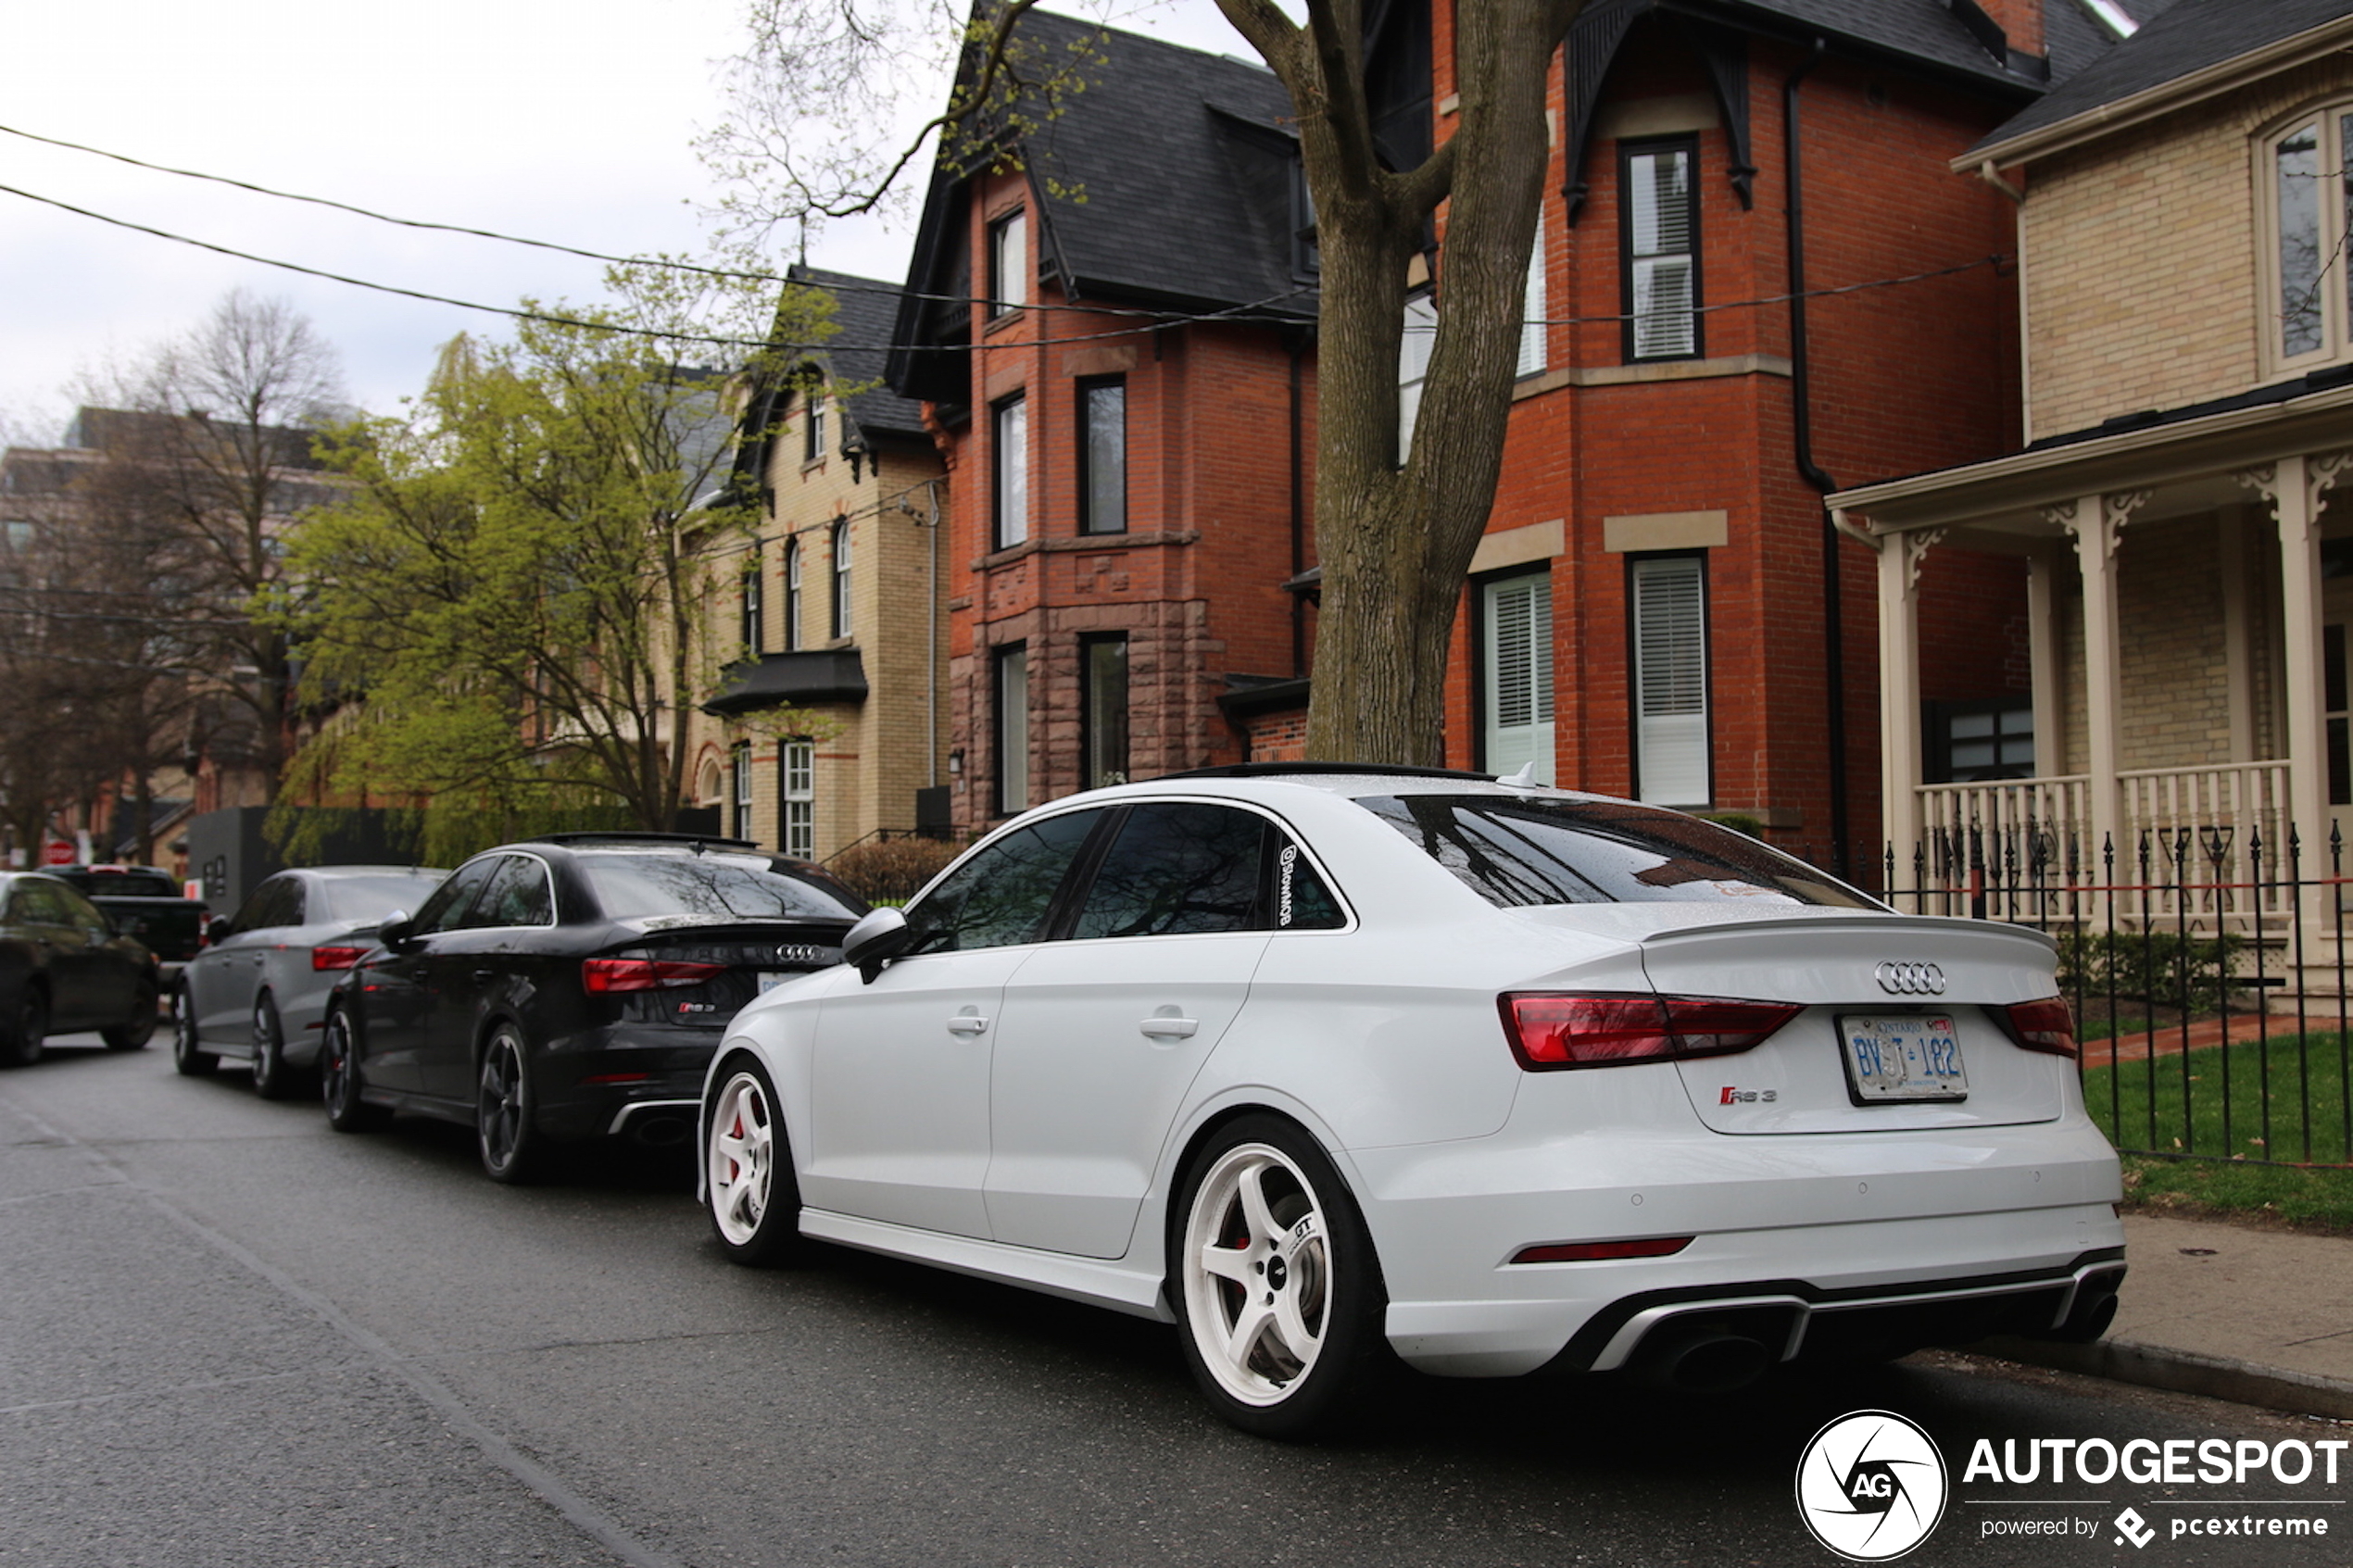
(56, 852)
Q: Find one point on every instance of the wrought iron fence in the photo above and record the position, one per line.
(2207, 969)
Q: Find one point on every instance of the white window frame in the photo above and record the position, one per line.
(2330, 287)
(1008, 263)
(798, 762)
(1533, 310)
(843, 620)
(1516, 697)
(1009, 460)
(1639, 300)
(1420, 335)
(1669, 683)
(792, 595)
(739, 793)
(1010, 678)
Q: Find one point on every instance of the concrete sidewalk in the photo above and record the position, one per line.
(2259, 1317)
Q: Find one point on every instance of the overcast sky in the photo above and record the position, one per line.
(568, 121)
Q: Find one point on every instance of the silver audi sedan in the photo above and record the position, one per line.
(257, 991)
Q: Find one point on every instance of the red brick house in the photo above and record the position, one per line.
(1650, 614)
(1121, 376)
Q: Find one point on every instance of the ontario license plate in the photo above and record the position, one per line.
(1902, 1057)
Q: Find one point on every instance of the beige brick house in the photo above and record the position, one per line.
(824, 724)
(2188, 333)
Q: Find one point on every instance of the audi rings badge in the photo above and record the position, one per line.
(1910, 979)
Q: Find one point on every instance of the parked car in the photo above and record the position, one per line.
(145, 902)
(573, 987)
(258, 992)
(1332, 1066)
(63, 966)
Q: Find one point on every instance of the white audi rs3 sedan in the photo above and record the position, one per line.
(1334, 1068)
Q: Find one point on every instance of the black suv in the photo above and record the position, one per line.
(573, 987)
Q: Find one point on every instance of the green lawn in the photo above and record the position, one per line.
(2123, 1100)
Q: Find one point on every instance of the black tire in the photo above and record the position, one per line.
(339, 1082)
(512, 1148)
(272, 1079)
(1317, 1355)
(188, 1056)
(26, 1027)
(133, 1034)
(751, 1193)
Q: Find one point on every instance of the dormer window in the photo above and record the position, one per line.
(2308, 304)
(812, 428)
(1008, 264)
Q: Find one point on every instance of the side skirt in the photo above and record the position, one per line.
(1133, 1291)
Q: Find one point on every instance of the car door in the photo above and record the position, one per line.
(1104, 1032)
(468, 963)
(223, 979)
(88, 974)
(899, 1098)
(397, 1001)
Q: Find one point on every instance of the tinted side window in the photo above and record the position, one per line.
(1178, 868)
(1299, 900)
(79, 912)
(518, 893)
(1001, 895)
(447, 906)
(37, 903)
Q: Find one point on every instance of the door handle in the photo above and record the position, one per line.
(482, 974)
(968, 1025)
(1160, 1026)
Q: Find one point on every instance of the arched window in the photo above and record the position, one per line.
(2301, 174)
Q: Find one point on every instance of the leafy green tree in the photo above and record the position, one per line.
(510, 605)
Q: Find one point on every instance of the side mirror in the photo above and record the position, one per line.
(215, 931)
(874, 941)
(395, 930)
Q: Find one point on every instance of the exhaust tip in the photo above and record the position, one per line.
(662, 1132)
(1703, 1360)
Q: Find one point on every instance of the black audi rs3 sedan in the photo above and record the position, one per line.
(572, 988)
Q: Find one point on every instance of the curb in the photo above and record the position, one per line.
(2183, 1372)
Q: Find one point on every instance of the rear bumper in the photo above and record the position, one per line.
(1817, 1233)
(640, 1081)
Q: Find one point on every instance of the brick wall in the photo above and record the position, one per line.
(2141, 280)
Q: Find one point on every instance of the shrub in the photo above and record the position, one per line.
(2152, 967)
(888, 870)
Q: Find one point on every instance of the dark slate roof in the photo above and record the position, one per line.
(2073, 38)
(866, 314)
(1174, 215)
(2182, 37)
(1923, 31)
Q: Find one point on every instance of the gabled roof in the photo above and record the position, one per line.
(866, 314)
(2187, 50)
(1178, 164)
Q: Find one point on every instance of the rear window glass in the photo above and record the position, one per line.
(120, 882)
(374, 898)
(1515, 852)
(636, 885)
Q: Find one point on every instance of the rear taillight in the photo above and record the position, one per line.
(2044, 1025)
(335, 958)
(603, 975)
(1549, 1032)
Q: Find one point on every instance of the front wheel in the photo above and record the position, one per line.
(755, 1201)
(339, 1080)
(1279, 1294)
(272, 1079)
(510, 1145)
(188, 1055)
(26, 1029)
(134, 1031)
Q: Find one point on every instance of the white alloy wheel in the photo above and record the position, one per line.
(755, 1202)
(1258, 1271)
(743, 1155)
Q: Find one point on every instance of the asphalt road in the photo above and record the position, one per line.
(229, 1336)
